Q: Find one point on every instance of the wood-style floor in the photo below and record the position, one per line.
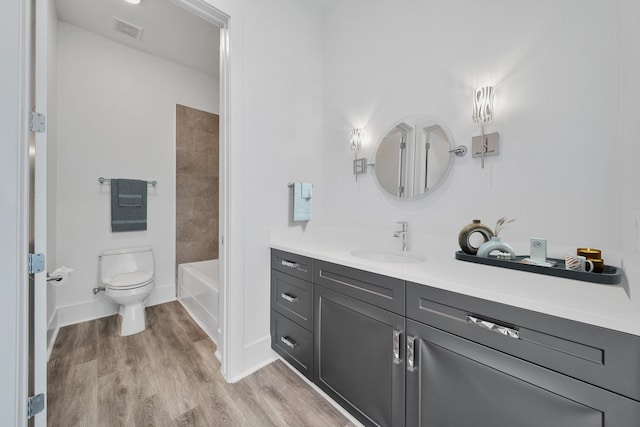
(168, 375)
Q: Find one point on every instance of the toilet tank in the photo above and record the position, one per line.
(127, 260)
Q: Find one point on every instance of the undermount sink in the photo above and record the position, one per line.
(388, 256)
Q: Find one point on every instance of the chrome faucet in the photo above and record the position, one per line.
(403, 233)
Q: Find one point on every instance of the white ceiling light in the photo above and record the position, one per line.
(133, 1)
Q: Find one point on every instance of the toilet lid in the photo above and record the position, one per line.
(130, 280)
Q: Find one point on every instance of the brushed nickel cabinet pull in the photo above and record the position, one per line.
(288, 297)
(289, 264)
(493, 327)
(396, 346)
(289, 342)
(411, 363)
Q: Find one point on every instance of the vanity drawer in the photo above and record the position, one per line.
(293, 298)
(293, 343)
(381, 291)
(603, 357)
(295, 265)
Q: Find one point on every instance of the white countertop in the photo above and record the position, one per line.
(607, 306)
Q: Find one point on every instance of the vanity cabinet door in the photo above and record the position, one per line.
(452, 381)
(360, 357)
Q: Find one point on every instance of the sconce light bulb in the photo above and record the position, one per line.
(356, 139)
(483, 104)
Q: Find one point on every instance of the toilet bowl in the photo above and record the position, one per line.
(127, 276)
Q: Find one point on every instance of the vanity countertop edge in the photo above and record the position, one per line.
(606, 306)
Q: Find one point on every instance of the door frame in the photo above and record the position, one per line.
(39, 101)
(206, 10)
(14, 179)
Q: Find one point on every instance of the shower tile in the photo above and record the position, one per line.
(207, 207)
(197, 172)
(185, 162)
(184, 133)
(190, 185)
(211, 166)
(207, 122)
(203, 141)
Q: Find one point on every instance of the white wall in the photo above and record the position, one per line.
(282, 136)
(630, 149)
(555, 67)
(116, 118)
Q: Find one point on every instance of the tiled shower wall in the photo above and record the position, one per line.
(197, 175)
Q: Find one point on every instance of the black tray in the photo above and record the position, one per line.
(610, 276)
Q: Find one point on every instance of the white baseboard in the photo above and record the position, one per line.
(102, 306)
(257, 355)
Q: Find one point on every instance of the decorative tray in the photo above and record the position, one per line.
(610, 276)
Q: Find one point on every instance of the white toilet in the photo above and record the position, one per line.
(127, 276)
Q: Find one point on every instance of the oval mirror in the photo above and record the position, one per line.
(413, 157)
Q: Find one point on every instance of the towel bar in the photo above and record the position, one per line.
(103, 180)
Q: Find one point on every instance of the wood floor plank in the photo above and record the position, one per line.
(168, 375)
(80, 399)
(112, 352)
(150, 413)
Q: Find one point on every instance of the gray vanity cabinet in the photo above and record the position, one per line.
(359, 346)
(396, 353)
(475, 362)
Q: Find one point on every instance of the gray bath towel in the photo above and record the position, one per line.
(128, 205)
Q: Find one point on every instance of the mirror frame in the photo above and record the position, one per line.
(449, 167)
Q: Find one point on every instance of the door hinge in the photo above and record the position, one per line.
(35, 405)
(36, 122)
(36, 263)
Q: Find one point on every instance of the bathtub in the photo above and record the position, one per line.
(198, 293)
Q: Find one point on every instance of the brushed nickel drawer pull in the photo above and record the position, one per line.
(411, 363)
(288, 297)
(493, 327)
(396, 346)
(289, 342)
(289, 264)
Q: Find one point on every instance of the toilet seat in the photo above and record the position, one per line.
(133, 280)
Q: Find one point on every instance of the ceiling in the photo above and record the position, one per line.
(169, 31)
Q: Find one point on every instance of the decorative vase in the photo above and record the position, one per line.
(469, 232)
(495, 244)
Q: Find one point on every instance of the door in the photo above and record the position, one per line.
(360, 358)
(38, 215)
(452, 381)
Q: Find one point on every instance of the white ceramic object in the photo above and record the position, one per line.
(495, 244)
(127, 276)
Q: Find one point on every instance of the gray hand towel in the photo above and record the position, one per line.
(128, 205)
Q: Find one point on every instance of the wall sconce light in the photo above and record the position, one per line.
(357, 139)
(483, 111)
